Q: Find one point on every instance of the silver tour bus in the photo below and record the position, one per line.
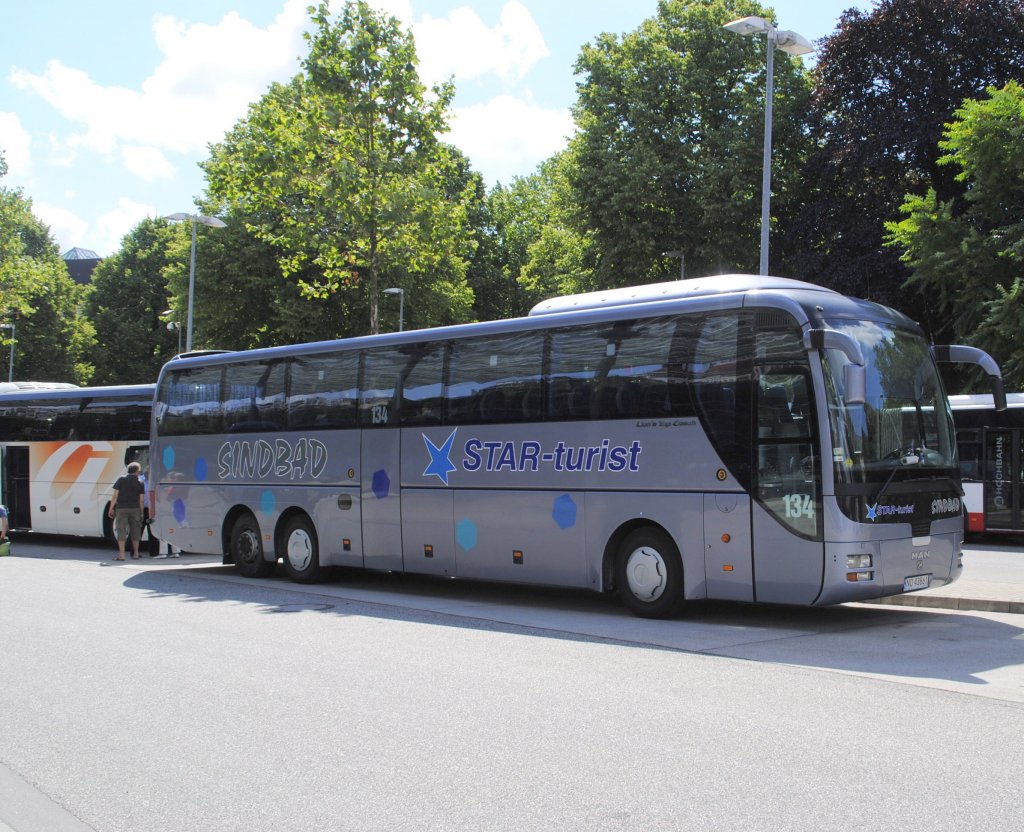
(731, 437)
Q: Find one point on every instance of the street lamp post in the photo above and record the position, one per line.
(10, 366)
(195, 219)
(792, 44)
(401, 304)
(173, 326)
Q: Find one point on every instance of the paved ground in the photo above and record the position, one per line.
(993, 581)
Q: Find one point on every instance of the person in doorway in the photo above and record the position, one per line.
(4, 527)
(126, 510)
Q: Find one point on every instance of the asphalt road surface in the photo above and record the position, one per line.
(173, 695)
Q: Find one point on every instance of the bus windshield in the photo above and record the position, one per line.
(905, 422)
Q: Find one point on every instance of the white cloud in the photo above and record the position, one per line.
(113, 225)
(147, 163)
(464, 46)
(508, 136)
(14, 142)
(206, 80)
(67, 228)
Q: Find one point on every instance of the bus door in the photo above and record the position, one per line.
(1004, 450)
(381, 499)
(16, 486)
(727, 558)
(789, 555)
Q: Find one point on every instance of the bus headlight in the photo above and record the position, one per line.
(858, 561)
(857, 577)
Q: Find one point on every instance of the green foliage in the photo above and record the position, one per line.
(886, 82)
(670, 144)
(967, 252)
(341, 172)
(127, 299)
(38, 295)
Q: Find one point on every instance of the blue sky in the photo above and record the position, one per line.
(107, 107)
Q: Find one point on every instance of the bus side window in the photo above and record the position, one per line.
(322, 391)
(422, 389)
(378, 403)
(494, 379)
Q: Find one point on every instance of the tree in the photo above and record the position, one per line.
(341, 170)
(127, 298)
(966, 252)
(668, 155)
(38, 295)
(885, 84)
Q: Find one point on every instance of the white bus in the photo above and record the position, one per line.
(61, 450)
(991, 451)
(729, 437)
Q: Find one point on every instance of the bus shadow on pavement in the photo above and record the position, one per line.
(973, 650)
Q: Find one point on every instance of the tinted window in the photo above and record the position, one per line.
(189, 402)
(322, 391)
(422, 386)
(495, 379)
(115, 419)
(381, 371)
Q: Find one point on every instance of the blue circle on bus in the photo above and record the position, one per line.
(465, 534)
(168, 458)
(563, 511)
(381, 484)
(179, 510)
(200, 469)
(268, 502)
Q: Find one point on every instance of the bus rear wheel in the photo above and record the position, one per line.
(649, 574)
(246, 547)
(301, 551)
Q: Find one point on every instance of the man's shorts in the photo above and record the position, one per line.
(128, 522)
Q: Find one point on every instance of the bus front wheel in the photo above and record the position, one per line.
(247, 548)
(649, 574)
(301, 551)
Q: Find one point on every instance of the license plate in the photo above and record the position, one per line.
(917, 582)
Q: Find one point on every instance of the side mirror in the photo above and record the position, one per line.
(855, 382)
(959, 354)
(854, 373)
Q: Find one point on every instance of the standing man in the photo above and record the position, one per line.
(126, 510)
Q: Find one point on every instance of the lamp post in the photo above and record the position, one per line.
(792, 44)
(213, 222)
(401, 304)
(10, 366)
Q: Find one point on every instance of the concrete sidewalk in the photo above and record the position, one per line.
(993, 581)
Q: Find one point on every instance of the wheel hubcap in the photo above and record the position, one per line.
(248, 546)
(646, 573)
(300, 549)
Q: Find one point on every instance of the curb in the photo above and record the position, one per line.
(951, 603)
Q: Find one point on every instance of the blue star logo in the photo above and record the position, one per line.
(440, 458)
(871, 511)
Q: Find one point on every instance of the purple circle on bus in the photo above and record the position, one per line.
(179, 510)
(200, 469)
(381, 484)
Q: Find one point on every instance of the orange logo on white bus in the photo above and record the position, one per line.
(74, 468)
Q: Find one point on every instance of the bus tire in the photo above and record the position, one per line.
(301, 551)
(649, 574)
(246, 546)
